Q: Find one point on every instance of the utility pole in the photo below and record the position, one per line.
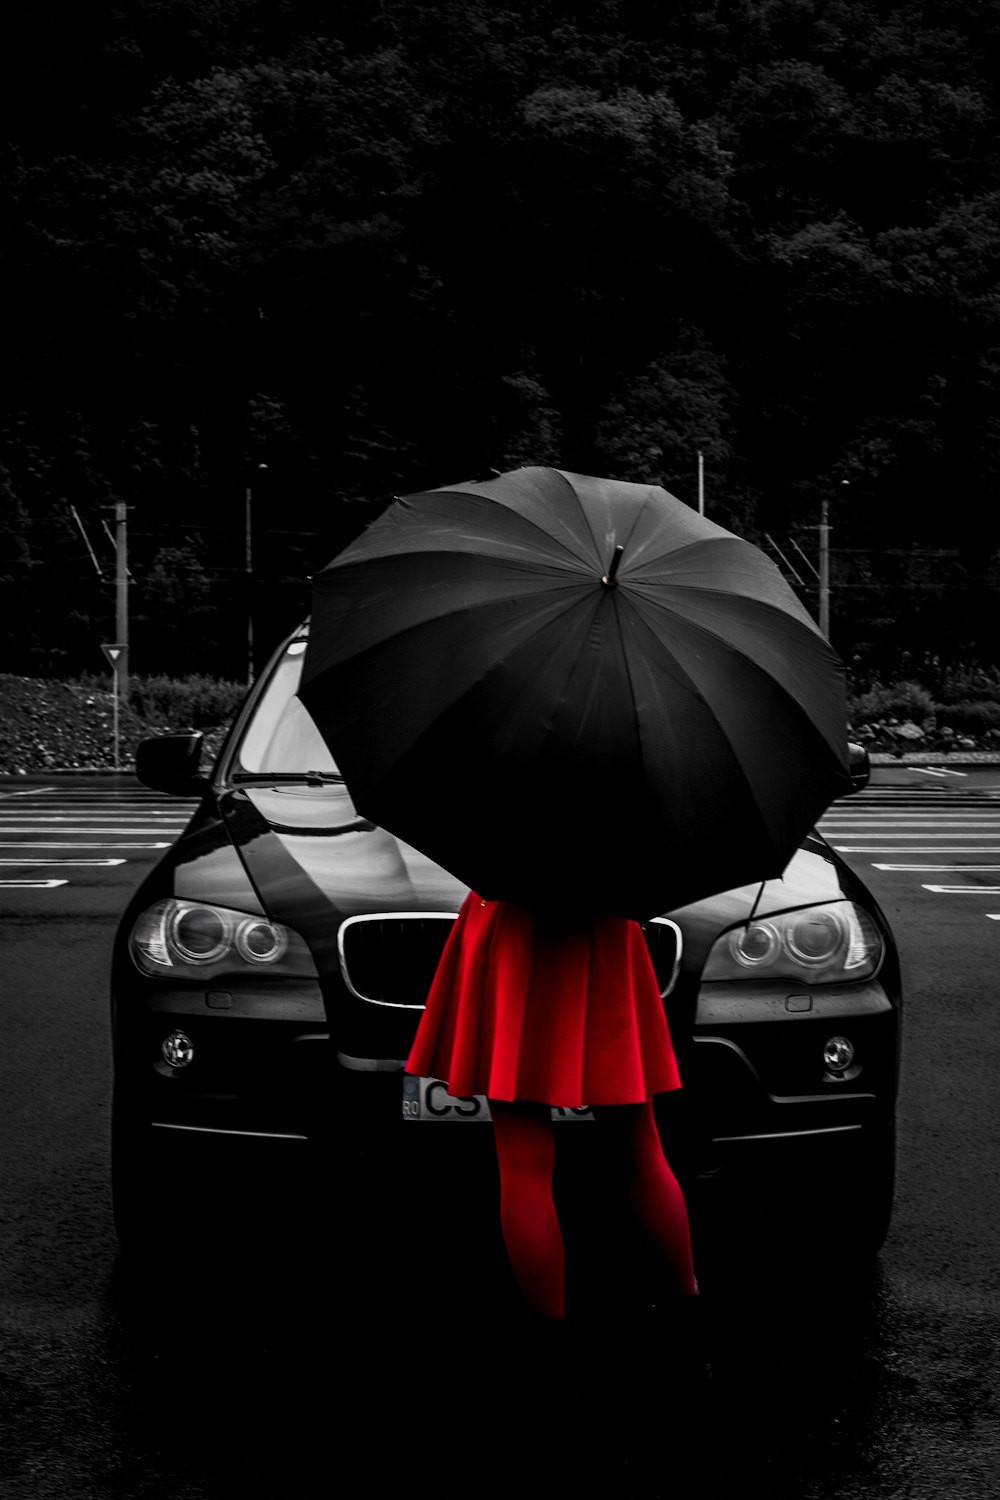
(824, 561)
(261, 469)
(249, 568)
(701, 483)
(824, 568)
(121, 599)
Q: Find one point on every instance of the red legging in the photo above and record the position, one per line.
(525, 1143)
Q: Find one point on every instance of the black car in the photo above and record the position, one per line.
(269, 973)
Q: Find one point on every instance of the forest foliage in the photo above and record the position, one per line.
(327, 254)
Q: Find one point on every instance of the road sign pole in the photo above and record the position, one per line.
(115, 653)
(114, 699)
(121, 597)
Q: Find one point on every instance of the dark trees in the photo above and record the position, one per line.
(381, 248)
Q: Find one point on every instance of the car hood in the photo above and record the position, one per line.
(312, 861)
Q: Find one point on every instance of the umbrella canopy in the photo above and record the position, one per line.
(575, 690)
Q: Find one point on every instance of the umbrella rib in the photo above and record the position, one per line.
(416, 556)
(805, 629)
(696, 692)
(647, 501)
(631, 681)
(471, 494)
(566, 479)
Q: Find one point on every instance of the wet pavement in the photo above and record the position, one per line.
(274, 1362)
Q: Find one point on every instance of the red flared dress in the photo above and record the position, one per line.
(524, 1007)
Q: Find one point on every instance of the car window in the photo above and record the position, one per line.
(281, 734)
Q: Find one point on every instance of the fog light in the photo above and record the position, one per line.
(177, 1049)
(838, 1054)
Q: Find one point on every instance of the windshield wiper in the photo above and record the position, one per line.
(309, 778)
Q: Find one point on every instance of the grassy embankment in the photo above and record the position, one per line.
(50, 724)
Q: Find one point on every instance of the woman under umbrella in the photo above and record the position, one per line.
(591, 705)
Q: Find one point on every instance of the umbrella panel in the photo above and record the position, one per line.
(568, 772)
(633, 748)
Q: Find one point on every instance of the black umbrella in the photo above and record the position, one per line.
(575, 690)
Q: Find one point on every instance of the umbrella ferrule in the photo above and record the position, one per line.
(609, 580)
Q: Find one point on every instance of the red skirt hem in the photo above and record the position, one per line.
(522, 1008)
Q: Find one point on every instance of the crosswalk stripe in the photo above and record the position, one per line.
(973, 869)
(31, 885)
(96, 810)
(81, 817)
(962, 890)
(6, 828)
(846, 824)
(42, 844)
(20, 863)
(915, 825)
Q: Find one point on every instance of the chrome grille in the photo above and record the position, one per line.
(389, 958)
(663, 939)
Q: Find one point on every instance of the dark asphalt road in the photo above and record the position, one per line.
(254, 1375)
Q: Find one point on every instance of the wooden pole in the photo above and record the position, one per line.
(824, 568)
(249, 568)
(121, 598)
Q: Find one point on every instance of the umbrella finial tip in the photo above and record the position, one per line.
(609, 579)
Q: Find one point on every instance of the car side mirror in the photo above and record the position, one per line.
(171, 763)
(860, 767)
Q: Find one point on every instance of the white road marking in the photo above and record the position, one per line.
(942, 830)
(892, 849)
(20, 828)
(933, 771)
(77, 844)
(74, 822)
(860, 824)
(90, 862)
(961, 890)
(166, 803)
(979, 869)
(31, 885)
(151, 813)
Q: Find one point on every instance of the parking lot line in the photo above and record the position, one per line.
(894, 849)
(22, 862)
(961, 890)
(979, 869)
(7, 828)
(31, 885)
(80, 844)
(78, 816)
(859, 824)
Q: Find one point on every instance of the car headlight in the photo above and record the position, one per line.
(192, 940)
(813, 945)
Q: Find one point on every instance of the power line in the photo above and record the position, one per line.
(154, 528)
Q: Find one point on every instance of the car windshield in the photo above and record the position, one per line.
(281, 737)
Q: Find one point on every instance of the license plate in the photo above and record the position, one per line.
(429, 1099)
